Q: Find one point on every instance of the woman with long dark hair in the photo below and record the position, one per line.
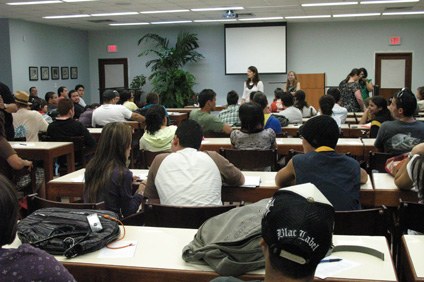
(107, 177)
(252, 83)
(300, 103)
(351, 92)
(379, 112)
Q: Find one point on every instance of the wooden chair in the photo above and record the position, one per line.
(35, 203)
(181, 217)
(251, 159)
(377, 161)
(145, 158)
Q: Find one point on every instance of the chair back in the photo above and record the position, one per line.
(80, 150)
(411, 216)
(377, 161)
(181, 217)
(145, 158)
(251, 159)
(35, 203)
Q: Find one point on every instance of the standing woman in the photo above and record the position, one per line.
(365, 84)
(351, 92)
(292, 84)
(107, 177)
(252, 83)
(379, 112)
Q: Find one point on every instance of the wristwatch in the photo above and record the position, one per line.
(5, 106)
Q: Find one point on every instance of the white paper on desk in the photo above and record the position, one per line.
(251, 181)
(329, 269)
(127, 252)
(142, 176)
(279, 142)
(23, 145)
(79, 178)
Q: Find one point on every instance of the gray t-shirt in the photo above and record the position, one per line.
(294, 115)
(398, 137)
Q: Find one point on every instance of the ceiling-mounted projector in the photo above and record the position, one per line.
(230, 14)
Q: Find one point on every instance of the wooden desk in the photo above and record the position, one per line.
(369, 146)
(218, 108)
(46, 151)
(135, 124)
(96, 132)
(348, 120)
(180, 110)
(386, 192)
(178, 117)
(158, 258)
(412, 261)
(358, 114)
(292, 129)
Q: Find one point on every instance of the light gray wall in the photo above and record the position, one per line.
(34, 44)
(331, 47)
(5, 60)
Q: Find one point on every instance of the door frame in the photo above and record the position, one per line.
(102, 63)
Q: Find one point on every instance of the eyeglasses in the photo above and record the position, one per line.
(400, 94)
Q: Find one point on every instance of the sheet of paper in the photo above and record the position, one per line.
(205, 142)
(23, 145)
(329, 269)
(79, 178)
(251, 181)
(143, 176)
(127, 252)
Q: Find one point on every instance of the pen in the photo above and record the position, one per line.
(23, 144)
(332, 260)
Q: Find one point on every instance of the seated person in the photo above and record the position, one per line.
(75, 98)
(81, 91)
(41, 107)
(87, 116)
(420, 97)
(252, 135)
(300, 103)
(231, 114)
(326, 104)
(401, 135)
(51, 99)
(277, 105)
(379, 113)
(337, 176)
(270, 121)
(25, 263)
(338, 110)
(187, 176)
(107, 177)
(152, 98)
(208, 121)
(291, 258)
(157, 137)
(126, 98)
(293, 114)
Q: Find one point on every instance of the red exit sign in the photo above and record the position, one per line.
(394, 40)
(112, 48)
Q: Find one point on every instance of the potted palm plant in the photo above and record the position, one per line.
(174, 85)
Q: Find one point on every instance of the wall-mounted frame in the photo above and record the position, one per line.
(74, 72)
(33, 73)
(55, 73)
(44, 73)
(65, 72)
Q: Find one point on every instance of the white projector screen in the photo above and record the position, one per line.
(259, 45)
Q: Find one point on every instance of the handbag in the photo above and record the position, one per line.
(393, 164)
(69, 232)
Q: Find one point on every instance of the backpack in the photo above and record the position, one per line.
(229, 242)
(282, 119)
(67, 232)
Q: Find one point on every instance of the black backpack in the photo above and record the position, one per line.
(67, 232)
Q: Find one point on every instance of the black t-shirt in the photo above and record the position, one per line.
(68, 128)
(8, 119)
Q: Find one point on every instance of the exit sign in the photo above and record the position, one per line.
(394, 40)
(112, 48)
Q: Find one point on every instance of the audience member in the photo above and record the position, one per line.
(31, 122)
(109, 112)
(158, 136)
(208, 121)
(25, 263)
(51, 99)
(293, 218)
(81, 89)
(231, 114)
(127, 99)
(270, 121)
(420, 97)
(107, 177)
(293, 114)
(300, 103)
(152, 98)
(7, 107)
(338, 110)
(337, 176)
(63, 92)
(401, 135)
(188, 177)
(86, 117)
(351, 92)
(41, 107)
(326, 104)
(379, 112)
(75, 98)
(33, 95)
(277, 105)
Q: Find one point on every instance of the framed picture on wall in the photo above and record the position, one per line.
(44, 73)
(33, 73)
(74, 72)
(65, 72)
(55, 73)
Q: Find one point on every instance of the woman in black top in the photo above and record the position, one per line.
(379, 112)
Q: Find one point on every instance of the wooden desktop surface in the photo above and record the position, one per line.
(158, 258)
(386, 193)
(412, 257)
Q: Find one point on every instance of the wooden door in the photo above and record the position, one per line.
(113, 73)
(393, 71)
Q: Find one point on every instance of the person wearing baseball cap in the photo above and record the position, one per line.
(337, 176)
(297, 229)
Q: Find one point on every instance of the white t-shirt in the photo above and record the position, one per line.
(247, 91)
(308, 111)
(110, 113)
(340, 112)
(32, 120)
(294, 115)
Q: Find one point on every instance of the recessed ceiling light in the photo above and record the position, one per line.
(356, 15)
(211, 21)
(262, 19)
(34, 2)
(403, 13)
(173, 22)
(329, 4)
(67, 16)
(388, 1)
(114, 14)
(164, 11)
(309, 17)
(217, 9)
(120, 24)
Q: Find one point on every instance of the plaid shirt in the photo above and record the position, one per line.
(230, 115)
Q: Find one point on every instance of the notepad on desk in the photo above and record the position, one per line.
(251, 181)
